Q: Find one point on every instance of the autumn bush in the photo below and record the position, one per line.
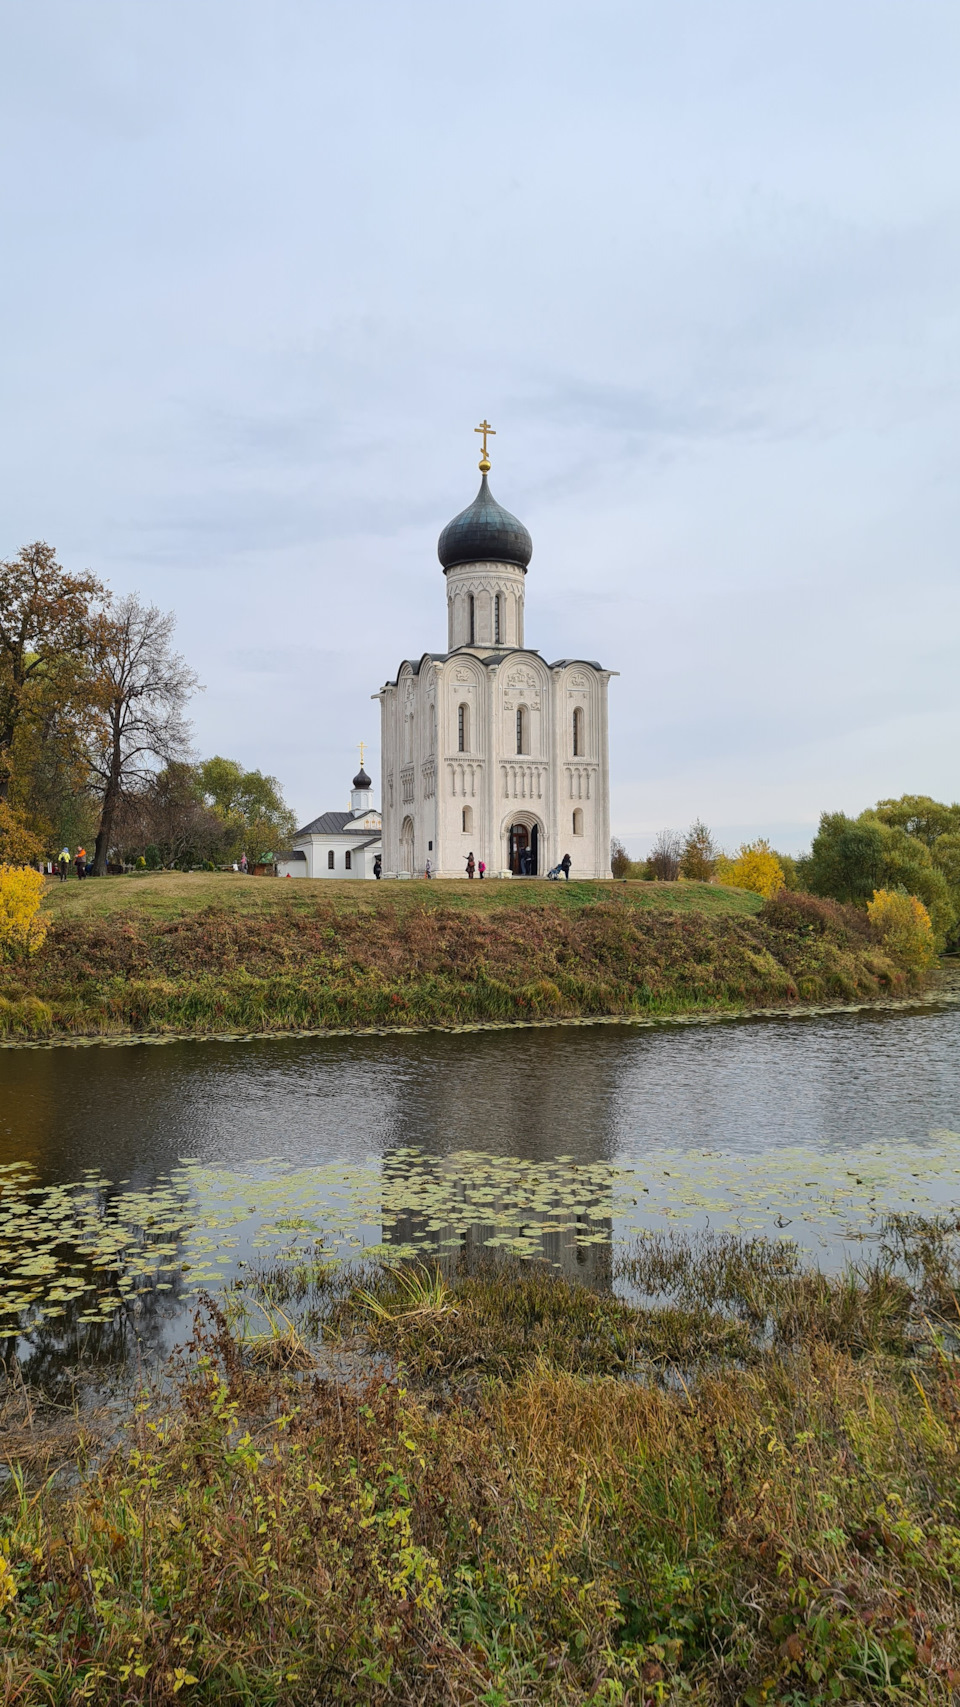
(756, 867)
(904, 925)
(22, 930)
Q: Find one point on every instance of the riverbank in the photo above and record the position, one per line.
(203, 955)
(408, 1486)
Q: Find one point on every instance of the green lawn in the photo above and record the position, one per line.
(175, 894)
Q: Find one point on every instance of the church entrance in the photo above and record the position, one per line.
(523, 845)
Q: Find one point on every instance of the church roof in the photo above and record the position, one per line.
(484, 533)
(329, 824)
(361, 780)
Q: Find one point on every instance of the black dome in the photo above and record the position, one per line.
(484, 533)
(361, 780)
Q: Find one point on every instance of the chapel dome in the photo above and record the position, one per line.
(361, 780)
(484, 533)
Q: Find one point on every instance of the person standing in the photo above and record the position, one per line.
(471, 866)
(243, 864)
(565, 865)
(377, 868)
(62, 863)
(481, 869)
(426, 870)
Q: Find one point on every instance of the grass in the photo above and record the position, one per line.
(208, 954)
(740, 1487)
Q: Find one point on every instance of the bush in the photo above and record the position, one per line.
(18, 845)
(904, 924)
(756, 867)
(664, 860)
(699, 858)
(21, 928)
(619, 859)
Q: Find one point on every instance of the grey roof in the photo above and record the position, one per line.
(328, 824)
(490, 659)
(289, 853)
(484, 533)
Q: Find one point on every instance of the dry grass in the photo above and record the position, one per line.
(730, 1523)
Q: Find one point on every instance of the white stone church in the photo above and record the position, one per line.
(486, 748)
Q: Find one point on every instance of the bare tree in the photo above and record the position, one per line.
(665, 856)
(145, 688)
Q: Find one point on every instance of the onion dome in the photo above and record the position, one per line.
(484, 533)
(361, 780)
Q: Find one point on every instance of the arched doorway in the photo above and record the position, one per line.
(523, 848)
(406, 846)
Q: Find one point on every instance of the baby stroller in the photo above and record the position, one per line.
(556, 873)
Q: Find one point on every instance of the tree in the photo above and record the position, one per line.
(664, 856)
(164, 818)
(144, 687)
(846, 859)
(756, 868)
(619, 859)
(250, 803)
(905, 926)
(48, 623)
(919, 816)
(698, 861)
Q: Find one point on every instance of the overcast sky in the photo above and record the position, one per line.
(266, 265)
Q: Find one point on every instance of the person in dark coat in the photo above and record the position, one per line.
(565, 865)
(377, 867)
(471, 866)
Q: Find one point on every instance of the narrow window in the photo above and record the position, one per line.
(496, 619)
(466, 819)
(578, 733)
(578, 822)
(521, 728)
(462, 728)
(330, 860)
(346, 860)
(472, 608)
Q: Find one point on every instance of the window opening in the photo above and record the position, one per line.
(472, 609)
(578, 733)
(466, 818)
(461, 728)
(330, 860)
(346, 860)
(578, 822)
(521, 728)
(496, 619)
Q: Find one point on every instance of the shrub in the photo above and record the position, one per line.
(18, 845)
(904, 924)
(664, 860)
(21, 928)
(619, 859)
(756, 867)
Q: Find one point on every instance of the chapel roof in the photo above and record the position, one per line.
(484, 533)
(361, 780)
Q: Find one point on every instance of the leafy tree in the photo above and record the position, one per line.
(945, 854)
(250, 803)
(698, 860)
(18, 845)
(905, 926)
(48, 627)
(166, 819)
(756, 867)
(619, 859)
(846, 859)
(919, 816)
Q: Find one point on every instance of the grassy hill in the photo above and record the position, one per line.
(199, 953)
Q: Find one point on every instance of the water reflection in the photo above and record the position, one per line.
(594, 1093)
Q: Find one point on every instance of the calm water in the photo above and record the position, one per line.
(836, 1084)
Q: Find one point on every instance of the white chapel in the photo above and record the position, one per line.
(486, 748)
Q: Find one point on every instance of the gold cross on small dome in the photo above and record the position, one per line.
(485, 428)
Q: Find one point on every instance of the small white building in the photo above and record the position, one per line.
(337, 844)
(487, 749)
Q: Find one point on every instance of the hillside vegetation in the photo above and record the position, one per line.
(177, 953)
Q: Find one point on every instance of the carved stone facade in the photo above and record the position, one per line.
(486, 748)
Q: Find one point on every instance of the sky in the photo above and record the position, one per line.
(266, 266)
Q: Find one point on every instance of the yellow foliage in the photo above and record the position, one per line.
(905, 926)
(756, 867)
(18, 845)
(21, 928)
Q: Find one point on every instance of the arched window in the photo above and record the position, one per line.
(578, 733)
(497, 634)
(578, 822)
(346, 860)
(466, 822)
(521, 728)
(330, 860)
(463, 728)
(472, 613)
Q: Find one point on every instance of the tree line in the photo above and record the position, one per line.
(95, 744)
(909, 846)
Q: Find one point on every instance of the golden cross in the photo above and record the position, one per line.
(485, 428)
(361, 755)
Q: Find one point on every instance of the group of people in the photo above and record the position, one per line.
(474, 869)
(478, 869)
(61, 865)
